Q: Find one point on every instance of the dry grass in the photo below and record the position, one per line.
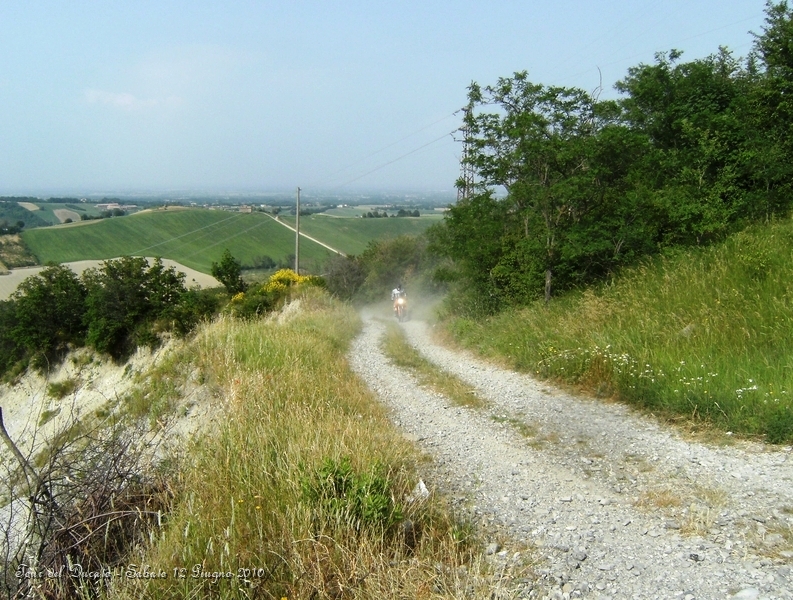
(659, 498)
(294, 414)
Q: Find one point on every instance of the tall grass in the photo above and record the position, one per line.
(704, 334)
(301, 489)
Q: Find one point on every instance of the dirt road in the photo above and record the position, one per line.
(616, 504)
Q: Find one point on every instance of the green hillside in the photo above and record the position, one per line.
(351, 235)
(193, 237)
(702, 334)
(47, 210)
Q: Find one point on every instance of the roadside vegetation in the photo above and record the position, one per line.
(638, 247)
(303, 489)
(703, 335)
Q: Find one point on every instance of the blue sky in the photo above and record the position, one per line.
(250, 96)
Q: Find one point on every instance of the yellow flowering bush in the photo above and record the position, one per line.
(271, 294)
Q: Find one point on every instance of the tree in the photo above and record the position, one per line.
(344, 275)
(228, 272)
(538, 148)
(124, 298)
(49, 310)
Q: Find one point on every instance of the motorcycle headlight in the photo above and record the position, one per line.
(401, 301)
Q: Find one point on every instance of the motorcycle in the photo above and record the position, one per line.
(401, 309)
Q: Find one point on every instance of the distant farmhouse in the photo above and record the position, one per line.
(113, 205)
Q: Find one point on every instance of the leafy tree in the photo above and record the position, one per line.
(694, 116)
(228, 272)
(388, 262)
(10, 352)
(124, 298)
(539, 148)
(344, 276)
(49, 310)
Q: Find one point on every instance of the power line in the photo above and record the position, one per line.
(451, 133)
(137, 252)
(386, 147)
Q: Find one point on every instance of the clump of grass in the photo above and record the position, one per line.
(701, 515)
(301, 489)
(659, 498)
(158, 391)
(524, 429)
(61, 389)
(48, 415)
(406, 356)
(702, 334)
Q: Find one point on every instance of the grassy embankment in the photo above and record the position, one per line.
(351, 235)
(192, 237)
(302, 481)
(703, 336)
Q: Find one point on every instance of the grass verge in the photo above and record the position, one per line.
(703, 336)
(301, 489)
(397, 348)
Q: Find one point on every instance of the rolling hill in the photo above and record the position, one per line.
(351, 235)
(192, 237)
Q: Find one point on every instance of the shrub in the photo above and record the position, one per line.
(228, 272)
(357, 500)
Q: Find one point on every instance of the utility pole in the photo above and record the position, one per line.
(297, 234)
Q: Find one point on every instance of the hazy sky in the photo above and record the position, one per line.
(162, 95)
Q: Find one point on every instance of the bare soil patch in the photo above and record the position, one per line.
(63, 214)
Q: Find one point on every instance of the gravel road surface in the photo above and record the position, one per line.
(616, 504)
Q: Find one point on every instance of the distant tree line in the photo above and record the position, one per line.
(105, 214)
(691, 152)
(123, 304)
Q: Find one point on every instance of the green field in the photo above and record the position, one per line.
(351, 235)
(193, 237)
(47, 211)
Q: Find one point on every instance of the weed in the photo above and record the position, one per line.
(48, 415)
(523, 428)
(404, 355)
(358, 500)
(60, 389)
(659, 498)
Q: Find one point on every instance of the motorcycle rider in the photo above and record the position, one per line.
(396, 294)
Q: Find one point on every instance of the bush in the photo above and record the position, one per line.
(228, 272)
(356, 500)
(125, 297)
(49, 309)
